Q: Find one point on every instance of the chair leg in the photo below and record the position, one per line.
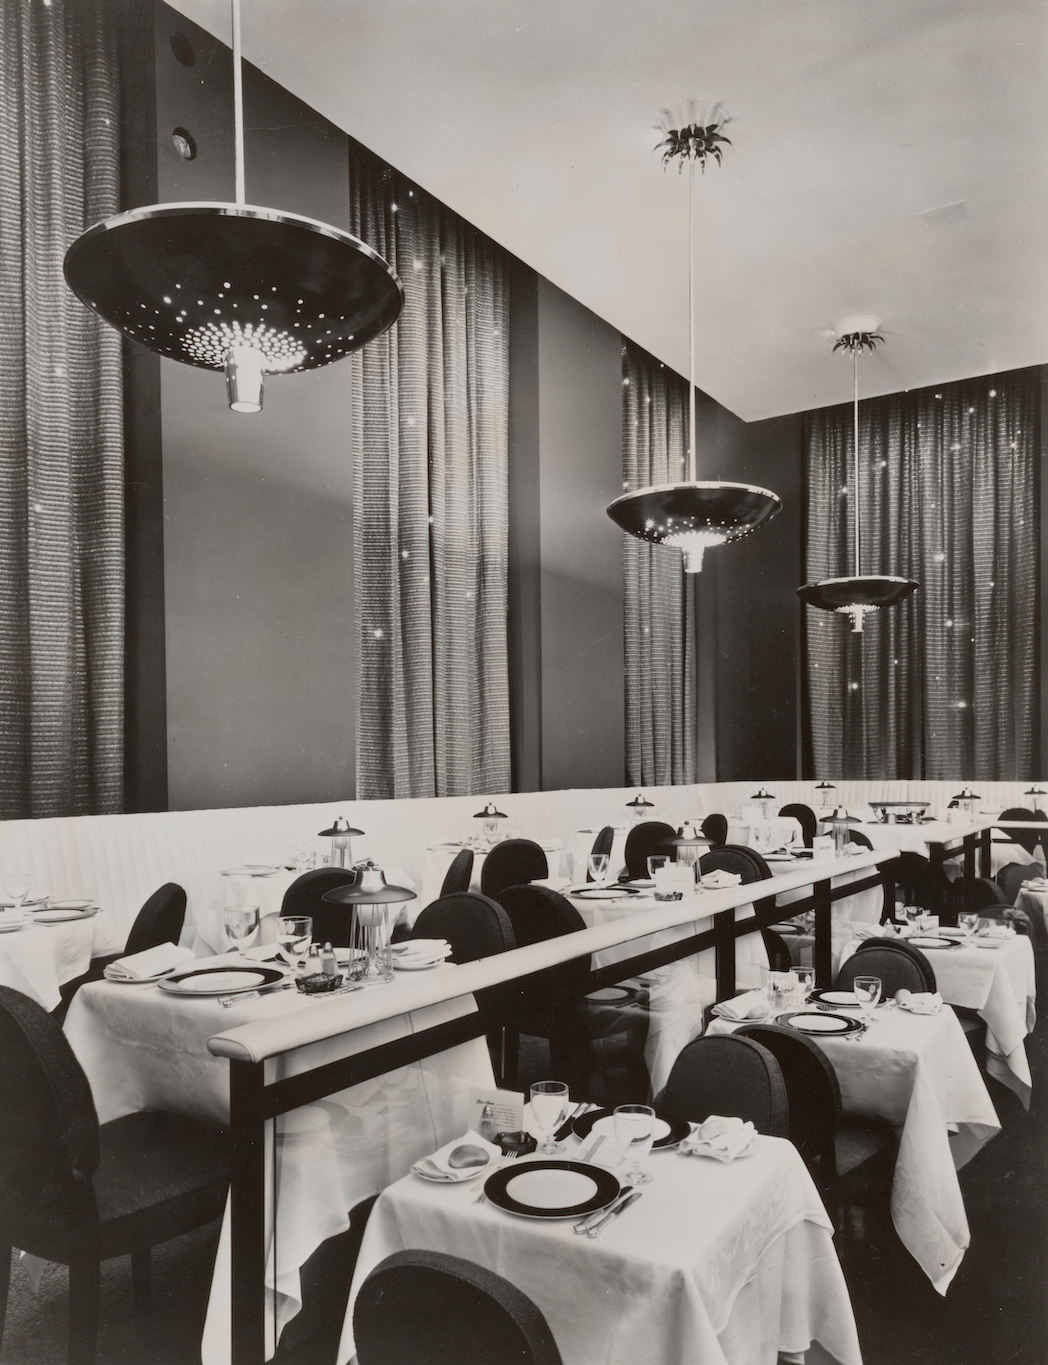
(141, 1277)
(85, 1277)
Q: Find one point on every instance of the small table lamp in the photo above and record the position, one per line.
(1036, 793)
(766, 801)
(489, 819)
(839, 822)
(369, 935)
(689, 843)
(967, 800)
(340, 834)
(824, 789)
(638, 808)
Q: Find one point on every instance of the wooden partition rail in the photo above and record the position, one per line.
(254, 1100)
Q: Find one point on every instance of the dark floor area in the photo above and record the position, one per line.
(996, 1311)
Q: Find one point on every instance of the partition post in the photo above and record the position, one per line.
(725, 954)
(247, 1128)
(823, 958)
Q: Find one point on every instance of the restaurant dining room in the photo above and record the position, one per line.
(523, 629)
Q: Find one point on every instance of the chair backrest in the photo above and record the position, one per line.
(511, 863)
(1026, 838)
(746, 862)
(812, 1088)
(732, 1076)
(331, 923)
(48, 1124)
(429, 1308)
(537, 914)
(805, 817)
(775, 946)
(474, 926)
(895, 962)
(459, 873)
(642, 842)
(715, 828)
(1011, 877)
(980, 893)
(860, 840)
(160, 919)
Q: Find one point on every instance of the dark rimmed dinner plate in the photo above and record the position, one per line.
(612, 891)
(551, 1188)
(208, 981)
(839, 999)
(820, 1024)
(926, 941)
(668, 1130)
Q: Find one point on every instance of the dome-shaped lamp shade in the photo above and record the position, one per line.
(227, 286)
(692, 516)
(857, 595)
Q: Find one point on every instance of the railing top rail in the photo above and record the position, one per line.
(322, 1019)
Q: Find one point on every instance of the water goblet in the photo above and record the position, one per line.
(969, 922)
(16, 884)
(867, 991)
(634, 1133)
(240, 923)
(598, 866)
(805, 982)
(912, 915)
(549, 1104)
(294, 935)
(655, 862)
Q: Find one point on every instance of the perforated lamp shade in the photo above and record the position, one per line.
(858, 594)
(693, 515)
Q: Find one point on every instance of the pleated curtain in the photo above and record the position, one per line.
(943, 686)
(61, 420)
(661, 696)
(430, 438)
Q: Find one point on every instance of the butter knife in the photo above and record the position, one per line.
(613, 1212)
(565, 1128)
(591, 1219)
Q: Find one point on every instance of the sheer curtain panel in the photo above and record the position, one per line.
(659, 600)
(61, 420)
(943, 685)
(430, 437)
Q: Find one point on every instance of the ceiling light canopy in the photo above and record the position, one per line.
(692, 515)
(250, 291)
(859, 594)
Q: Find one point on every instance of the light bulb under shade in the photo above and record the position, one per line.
(692, 516)
(195, 281)
(856, 596)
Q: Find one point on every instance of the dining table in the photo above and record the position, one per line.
(917, 1072)
(144, 1047)
(41, 950)
(727, 1264)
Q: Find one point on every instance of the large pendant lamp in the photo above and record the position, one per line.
(693, 515)
(251, 291)
(860, 593)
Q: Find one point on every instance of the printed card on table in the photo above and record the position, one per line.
(507, 1107)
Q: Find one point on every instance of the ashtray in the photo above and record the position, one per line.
(669, 895)
(319, 983)
(520, 1143)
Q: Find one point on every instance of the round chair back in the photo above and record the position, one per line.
(511, 863)
(812, 1089)
(305, 896)
(896, 963)
(642, 842)
(805, 817)
(474, 926)
(715, 828)
(732, 1076)
(459, 874)
(159, 921)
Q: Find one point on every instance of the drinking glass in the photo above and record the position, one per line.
(969, 922)
(241, 923)
(598, 866)
(805, 981)
(549, 1104)
(16, 884)
(634, 1133)
(656, 861)
(867, 991)
(789, 837)
(294, 935)
(912, 915)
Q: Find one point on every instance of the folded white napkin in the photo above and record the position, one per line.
(1035, 884)
(919, 1002)
(717, 881)
(997, 931)
(876, 931)
(424, 949)
(721, 1138)
(164, 957)
(752, 1005)
(438, 1167)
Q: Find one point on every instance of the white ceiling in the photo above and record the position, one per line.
(535, 119)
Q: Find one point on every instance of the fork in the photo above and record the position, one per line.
(480, 1197)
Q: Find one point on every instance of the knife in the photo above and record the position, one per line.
(565, 1128)
(613, 1212)
(591, 1219)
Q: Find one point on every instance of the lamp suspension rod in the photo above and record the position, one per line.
(691, 319)
(855, 412)
(238, 104)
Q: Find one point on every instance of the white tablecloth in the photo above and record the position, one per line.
(1000, 984)
(918, 1072)
(145, 1049)
(916, 838)
(437, 860)
(38, 959)
(758, 834)
(581, 846)
(723, 1265)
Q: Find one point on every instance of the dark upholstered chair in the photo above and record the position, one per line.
(805, 817)
(1011, 877)
(512, 863)
(732, 1076)
(642, 842)
(895, 962)
(305, 896)
(429, 1308)
(751, 867)
(860, 840)
(603, 844)
(980, 893)
(77, 1193)
(1026, 838)
(715, 828)
(459, 874)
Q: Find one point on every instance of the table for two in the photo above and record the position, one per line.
(42, 956)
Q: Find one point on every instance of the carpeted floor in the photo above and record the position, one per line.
(996, 1311)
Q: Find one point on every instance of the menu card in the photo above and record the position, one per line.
(507, 1109)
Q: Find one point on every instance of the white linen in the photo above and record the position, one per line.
(724, 1264)
(437, 860)
(143, 1048)
(150, 962)
(40, 958)
(918, 1072)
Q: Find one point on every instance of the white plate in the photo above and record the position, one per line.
(822, 1023)
(454, 1177)
(7, 904)
(643, 884)
(991, 942)
(606, 1125)
(11, 926)
(253, 871)
(838, 998)
(408, 964)
(72, 905)
(235, 981)
(551, 1189)
(62, 916)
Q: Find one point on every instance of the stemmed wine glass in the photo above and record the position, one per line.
(241, 923)
(598, 866)
(805, 981)
(867, 991)
(549, 1104)
(16, 884)
(634, 1133)
(294, 935)
(969, 922)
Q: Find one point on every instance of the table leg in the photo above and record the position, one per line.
(247, 1201)
(725, 954)
(822, 954)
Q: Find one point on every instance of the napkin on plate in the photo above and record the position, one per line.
(751, 1005)
(165, 957)
(436, 1167)
(717, 881)
(919, 1002)
(997, 931)
(874, 931)
(1036, 884)
(415, 951)
(721, 1138)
